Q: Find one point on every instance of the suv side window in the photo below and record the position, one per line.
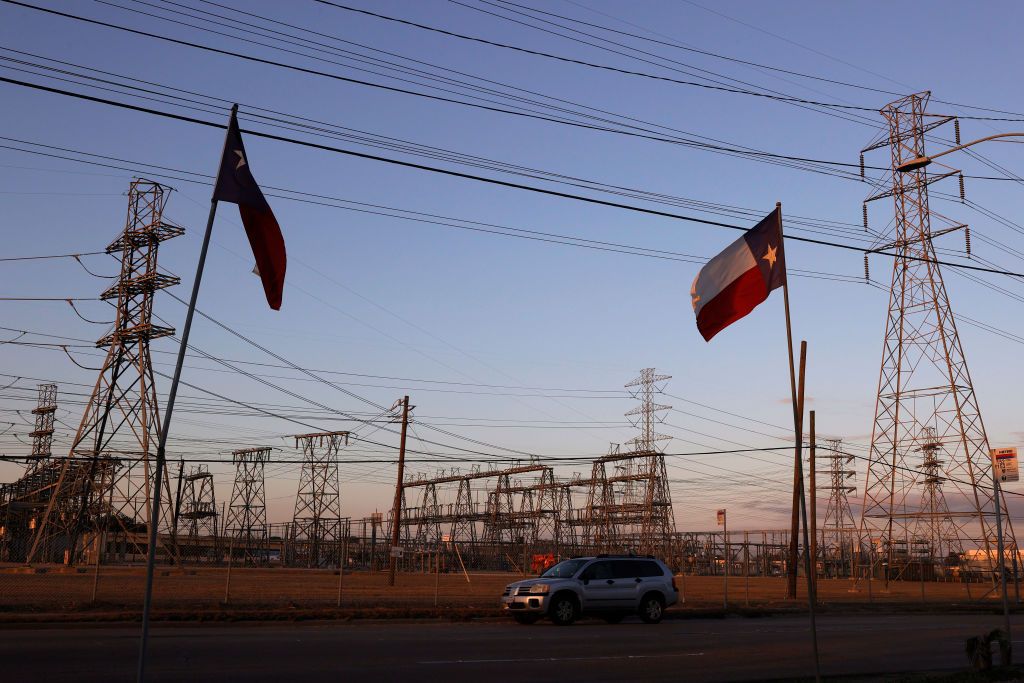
(649, 568)
(598, 570)
(627, 569)
(631, 569)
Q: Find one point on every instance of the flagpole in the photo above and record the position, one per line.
(169, 409)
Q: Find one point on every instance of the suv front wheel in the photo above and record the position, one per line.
(652, 608)
(563, 610)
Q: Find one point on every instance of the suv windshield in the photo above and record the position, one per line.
(564, 569)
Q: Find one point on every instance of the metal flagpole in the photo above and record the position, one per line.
(161, 448)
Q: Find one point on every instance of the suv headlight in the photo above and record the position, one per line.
(540, 588)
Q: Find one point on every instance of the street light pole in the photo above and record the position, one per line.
(922, 161)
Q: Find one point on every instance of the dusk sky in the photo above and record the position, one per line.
(509, 345)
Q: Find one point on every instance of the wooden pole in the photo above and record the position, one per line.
(227, 581)
(803, 511)
(746, 568)
(794, 527)
(342, 561)
(177, 502)
(725, 546)
(813, 502)
(396, 509)
(437, 571)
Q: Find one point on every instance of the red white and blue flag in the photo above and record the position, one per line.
(733, 283)
(236, 185)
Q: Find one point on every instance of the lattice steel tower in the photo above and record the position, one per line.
(316, 528)
(42, 435)
(924, 385)
(839, 527)
(106, 481)
(935, 535)
(646, 415)
(199, 513)
(629, 504)
(246, 525)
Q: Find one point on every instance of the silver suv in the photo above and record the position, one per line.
(610, 586)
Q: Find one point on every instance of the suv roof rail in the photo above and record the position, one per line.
(633, 556)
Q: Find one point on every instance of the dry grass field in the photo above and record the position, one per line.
(198, 591)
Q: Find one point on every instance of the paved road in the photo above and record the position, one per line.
(692, 650)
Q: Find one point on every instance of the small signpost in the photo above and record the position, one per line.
(1004, 468)
(1004, 462)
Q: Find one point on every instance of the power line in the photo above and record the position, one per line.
(571, 60)
(324, 129)
(51, 256)
(768, 157)
(468, 176)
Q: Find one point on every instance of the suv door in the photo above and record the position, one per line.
(629, 577)
(647, 575)
(599, 585)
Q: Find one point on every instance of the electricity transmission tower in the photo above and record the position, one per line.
(106, 482)
(924, 386)
(21, 500)
(629, 505)
(42, 435)
(246, 524)
(934, 535)
(200, 515)
(839, 528)
(646, 415)
(316, 527)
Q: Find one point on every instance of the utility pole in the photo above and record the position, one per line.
(396, 509)
(177, 499)
(813, 524)
(724, 517)
(794, 533)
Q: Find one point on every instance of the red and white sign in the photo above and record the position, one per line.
(721, 517)
(1004, 462)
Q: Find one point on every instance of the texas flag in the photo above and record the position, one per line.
(733, 283)
(236, 185)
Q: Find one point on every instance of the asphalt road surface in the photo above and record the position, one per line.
(692, 650)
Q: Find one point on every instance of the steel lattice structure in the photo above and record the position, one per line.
(525, 510)
(316, 527)
(42, 435)
(838, 526)
(104, 487)
(199, 514)
(629, 505)
(925, 394)
(934, 536)
(246, 524)
(22, 500)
